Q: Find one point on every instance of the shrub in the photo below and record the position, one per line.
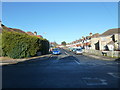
(44, 46)
(20, 45)
(0, 44)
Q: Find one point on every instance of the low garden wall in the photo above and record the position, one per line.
(103, 53)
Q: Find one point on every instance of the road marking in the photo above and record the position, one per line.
(95, 81)
(116, 75)
(74, 58)
(77, 62)
(66, 53)
(61, 56)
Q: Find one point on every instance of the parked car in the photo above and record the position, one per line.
(56, 51)
(73, 50)
(50, 50)
(78, 51)
(70, 49)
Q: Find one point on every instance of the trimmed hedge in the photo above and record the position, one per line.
(20, 45)
(0, 44)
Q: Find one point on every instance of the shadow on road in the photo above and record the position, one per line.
(30, 61)
(118, 59)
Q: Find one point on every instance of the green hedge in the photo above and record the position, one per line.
(0, 44)
(19, 45)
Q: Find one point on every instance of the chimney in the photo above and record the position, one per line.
(90, 34)
(35, 33)
(83, 37)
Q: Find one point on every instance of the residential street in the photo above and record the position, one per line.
(66, 70)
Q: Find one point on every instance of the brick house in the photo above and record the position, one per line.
(108, 40)
(35, 34)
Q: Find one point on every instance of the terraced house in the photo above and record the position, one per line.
(34, 34)
(108, 40)
(106, 43)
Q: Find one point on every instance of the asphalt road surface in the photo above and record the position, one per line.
(66, 70)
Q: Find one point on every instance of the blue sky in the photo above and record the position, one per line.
(61, 21)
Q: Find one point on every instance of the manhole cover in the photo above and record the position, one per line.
(94, 81)
(117, 75)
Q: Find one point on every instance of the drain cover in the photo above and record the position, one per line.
(94, 81)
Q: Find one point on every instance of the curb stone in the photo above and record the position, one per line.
(7, 62)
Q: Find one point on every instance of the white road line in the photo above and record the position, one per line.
(77, 62)
(116, 75)
(74, 59)
(66, 53)
(61, 56)
(95, 81)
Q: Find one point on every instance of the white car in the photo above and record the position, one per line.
(78, 51)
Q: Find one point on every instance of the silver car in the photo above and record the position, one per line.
(78, 51)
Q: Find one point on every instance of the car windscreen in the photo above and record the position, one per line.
(79, 49)
(56, 50)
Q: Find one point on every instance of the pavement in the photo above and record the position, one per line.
(99, 57)
(6, 60)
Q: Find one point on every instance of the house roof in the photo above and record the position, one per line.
(79, 45)
(86, 44)
(11, 29)
(29, 33)
(39, 36)
(17, 30)
(88, 37)
(111, 32)
(95, 35)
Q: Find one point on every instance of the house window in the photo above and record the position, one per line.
(113, 38)
(97, 46)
